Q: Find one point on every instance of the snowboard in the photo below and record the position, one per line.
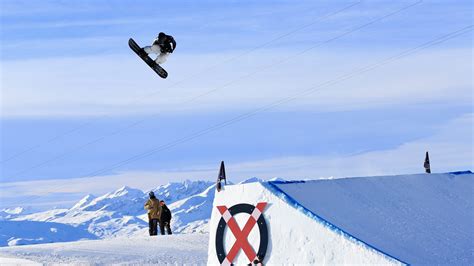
(150, 62)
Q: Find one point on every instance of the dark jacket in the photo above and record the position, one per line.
(165, 214)
(166, 43)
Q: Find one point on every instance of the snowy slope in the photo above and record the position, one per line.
(184, 249)
(419, 219)
(112, 214)
(29, 232)
(293, 237)
(10, 213)
(17, 261)
(175, 191)
(192, 214)
(414, 219)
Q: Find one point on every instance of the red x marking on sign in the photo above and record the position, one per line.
(241, 235)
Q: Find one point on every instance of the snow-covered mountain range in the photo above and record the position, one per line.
(118, 213)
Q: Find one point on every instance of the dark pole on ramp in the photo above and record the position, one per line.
(427, 164)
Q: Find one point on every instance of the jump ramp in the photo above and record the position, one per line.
(406, 219)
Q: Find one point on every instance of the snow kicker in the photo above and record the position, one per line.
(406, 219)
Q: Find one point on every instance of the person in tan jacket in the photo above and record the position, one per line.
(154, 211)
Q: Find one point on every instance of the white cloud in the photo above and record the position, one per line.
(86, 22)
(120, 85)
(451, 149)
(101, 184)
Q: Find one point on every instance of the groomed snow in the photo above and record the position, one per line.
(293, 237)
(419, 219)
(16, 261)
(190, 249)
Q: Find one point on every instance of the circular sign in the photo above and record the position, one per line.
(262, 227)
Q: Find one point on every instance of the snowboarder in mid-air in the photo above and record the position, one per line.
(163, 46)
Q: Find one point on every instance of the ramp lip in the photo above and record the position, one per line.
(287, 182)
(280, 182)
(466, 172)
(272, 187)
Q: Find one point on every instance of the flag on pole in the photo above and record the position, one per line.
(427, 164)
(221, 177)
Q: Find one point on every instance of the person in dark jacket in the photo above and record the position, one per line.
(154, 211)
(163, 46)
(165, 218)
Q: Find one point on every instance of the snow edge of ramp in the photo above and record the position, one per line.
(273, 188)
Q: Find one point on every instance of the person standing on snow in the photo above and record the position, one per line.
(163, 46)
(165, 219)
(154, 210)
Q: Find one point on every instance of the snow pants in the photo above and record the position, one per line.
(168, 227)
(155, 49)
(153, 224)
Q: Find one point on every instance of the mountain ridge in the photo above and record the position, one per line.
(119, 213)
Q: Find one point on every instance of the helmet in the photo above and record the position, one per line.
(151, 194)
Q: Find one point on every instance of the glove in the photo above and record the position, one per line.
(163, 49)
(166, 48)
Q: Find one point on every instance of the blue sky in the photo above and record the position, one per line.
(66, 66)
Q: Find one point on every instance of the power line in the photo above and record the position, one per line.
(359, 27)
(147, 96)
(282, 101)
(272, 105)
